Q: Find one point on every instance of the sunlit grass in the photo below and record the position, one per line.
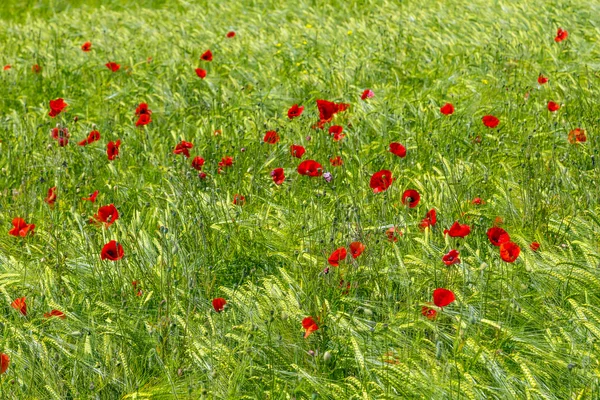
(523, 330)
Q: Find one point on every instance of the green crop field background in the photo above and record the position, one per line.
(144, 326)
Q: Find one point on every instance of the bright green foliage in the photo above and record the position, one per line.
(524, 330)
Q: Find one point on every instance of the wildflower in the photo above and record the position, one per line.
(20, 305)
(310, 168)
(21, 228)
(442, 297)
(509, 251)
(398, 149)
(295, 111)
(411, 198)
(451, 257)
(447, 109)
(113, 66)
(278, 176)
(219, 304)
(112, 251)
(490, 121)
(458, 230)
(112, 149)
(309, 326)
(337, 256)
(367, 94)
(381, 181)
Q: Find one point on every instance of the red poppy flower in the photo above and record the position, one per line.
(113, 66)
(561, 35)
(144, 119)
(112, 149)
(197, 163)
(310, 168)
(490, 121)
(295, 111)
(411, 198)
(183, 148)
(55, 313)
(93, 136)
(56, 107)
(36, 69)
(398, 149)
(534, 246)
(337, 256)
(542, 79)
(477, 201)
(309, 326)
(552, 106)
(21, 228)
(225, 162)
(142, 109)
(4, 362)
(278, 176)
(336, 130)
(509, 251)
(367, 94)
(271, 137)
(201, 73)
(7, 67)
(107, 215)
(381, 181)
(577, 135)
(336, 161)
(112, 251)
(51, 197)
(497, 236)
(87, 46)
(207, 56)
(458, 230)
(356, 249)
(447, 109)
(202, 175)
(297, 151)
(393, 233)
(442, 297)
(451, 257)
(92, 197)
(61, 135)
(239, 200)
(429, 220)
(430, 313)
(230, 34)
(327, 109)
(20, 305)
(219, 304)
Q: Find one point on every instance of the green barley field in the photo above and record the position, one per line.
(340, 200)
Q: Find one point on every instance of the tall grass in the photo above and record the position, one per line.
(524, 330)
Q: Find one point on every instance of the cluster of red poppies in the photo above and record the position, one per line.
(379, 182)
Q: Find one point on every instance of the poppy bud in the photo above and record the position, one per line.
(327, 356)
